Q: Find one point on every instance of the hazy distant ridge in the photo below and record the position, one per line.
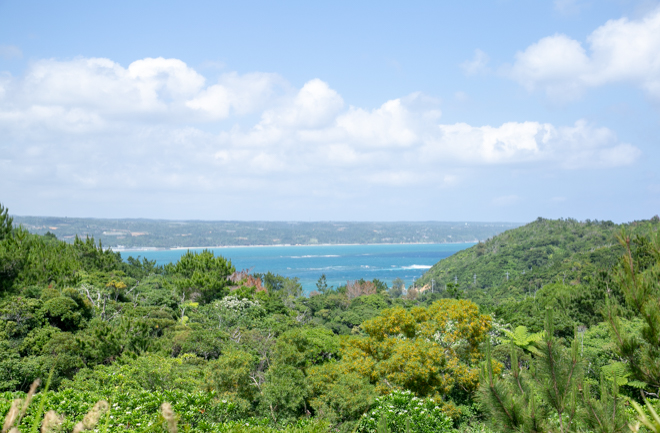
(144, 233)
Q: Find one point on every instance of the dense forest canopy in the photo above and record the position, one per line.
(569, 342)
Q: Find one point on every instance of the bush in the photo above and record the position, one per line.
(423, 415)
(63, 313)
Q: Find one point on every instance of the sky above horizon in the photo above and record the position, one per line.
(499, 110)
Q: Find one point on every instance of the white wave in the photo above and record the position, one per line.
(417, 267)
(327, 268)
(311, 256)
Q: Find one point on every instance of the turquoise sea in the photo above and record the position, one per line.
(339, 263)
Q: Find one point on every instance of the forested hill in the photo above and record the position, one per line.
(520, 261)
(233, 351)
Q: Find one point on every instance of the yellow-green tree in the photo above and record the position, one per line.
(430, 351)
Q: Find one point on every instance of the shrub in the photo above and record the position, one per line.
(402, 407)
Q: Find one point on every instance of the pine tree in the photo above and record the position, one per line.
(640, 285)
(551, 388)
(560, 370)
(511, 400)
(5, 222)
(605, 414)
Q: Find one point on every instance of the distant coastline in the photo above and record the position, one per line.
(146, 235)
(287, 245)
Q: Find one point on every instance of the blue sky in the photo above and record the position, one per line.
(480, 111)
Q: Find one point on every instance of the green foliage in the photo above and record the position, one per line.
(232, 311)
(6, 222)
(231, 374)
(28, 260)
(639, 279)
(402, 412)
(203, 343)
(397, 287)
(339, 396)
(551, 394)
(618, 372)
(649, 418)
(522, 338)
(430, 351)
(16, 372)
(284, 393)
(322, 285)
(149, 372)
(453, 291)
(61, 312)
(254, 360)
(304, 347)
(343, 316)
(519, 262)
(604, 414)
(200, 275)
(132, 410)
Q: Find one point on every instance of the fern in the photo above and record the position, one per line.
(523, 339)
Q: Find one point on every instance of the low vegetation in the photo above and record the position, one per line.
(197, 346)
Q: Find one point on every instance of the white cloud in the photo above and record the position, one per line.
(315, 105)
(388, 125)
(621, 50)
(578, 146)
(149, 88)
(242, 93)
(583, 146)
(478, 64)
(510, 143)
(93, 125)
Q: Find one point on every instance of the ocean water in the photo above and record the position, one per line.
(339, 263)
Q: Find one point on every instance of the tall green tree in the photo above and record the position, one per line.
(397, 287)
(550, 395)
(322, 285)
(5, 222)
(200, 276)
(638, 276)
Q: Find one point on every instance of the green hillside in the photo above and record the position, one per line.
(519, 262)
(197, 344)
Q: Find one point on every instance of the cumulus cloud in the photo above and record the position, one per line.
(149, 88)
(241, 93)
(94, 125)
(579, 146)
(313, 106)
(621, 50)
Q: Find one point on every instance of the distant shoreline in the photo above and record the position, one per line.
(120, 250)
